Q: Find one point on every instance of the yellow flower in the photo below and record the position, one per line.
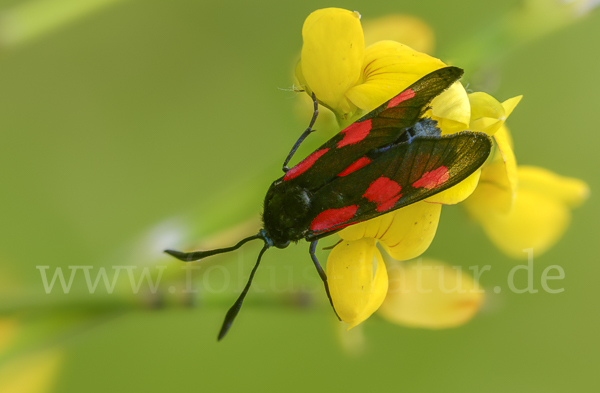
(430, 294)
(360, 264)
(356, 272)
(345, 76)
(351, 79)
(536, 214)
(411, 31)
(520, 207)
(31, 373)
(407, 232)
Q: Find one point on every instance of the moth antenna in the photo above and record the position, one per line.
(233, 311)
(198, 255)
(306, 133)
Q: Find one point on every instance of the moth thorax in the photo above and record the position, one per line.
(426, 127)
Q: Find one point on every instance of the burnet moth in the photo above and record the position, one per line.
(390, 158)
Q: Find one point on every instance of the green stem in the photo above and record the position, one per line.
(98, 303)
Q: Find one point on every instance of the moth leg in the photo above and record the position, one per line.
(332, 247)
(313, 248)
(306, 133)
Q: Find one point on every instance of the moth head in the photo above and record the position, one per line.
(285, 211)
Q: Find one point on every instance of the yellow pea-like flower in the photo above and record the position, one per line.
(352, 72)
(358, 280)
(430, 294)
(539, 213)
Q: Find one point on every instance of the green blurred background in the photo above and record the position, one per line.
(131, 122)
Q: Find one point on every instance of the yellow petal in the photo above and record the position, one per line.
(457, 193)
(570, 191)
(498, 183)
(510, 104)
(332, 55)
(493, 191)
(507, 136)
(488, 115)
(452, 109)
(412, 230)
(534, 222)
(484, 105)
(409, 30)
(430, 294)
(509, 176)
(539, 217)
(357, 279)
(374, 228)
(390, 67)
(405, 233)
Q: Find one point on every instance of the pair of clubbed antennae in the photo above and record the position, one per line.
(198, 255)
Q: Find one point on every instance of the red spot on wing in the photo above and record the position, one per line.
(384, 192)
(432, 179)
(332, 218)
(304, 165)
(356, 165)
(355, 133)
(405, 95)
(341, 226)
(387, 205)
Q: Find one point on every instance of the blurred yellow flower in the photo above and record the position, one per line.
(537, 214)
(521, 207)
(32, 373)
(407, 29)
(430, 294)
(9, 327)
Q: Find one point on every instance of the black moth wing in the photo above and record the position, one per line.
(378, 128)
(401, 175)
